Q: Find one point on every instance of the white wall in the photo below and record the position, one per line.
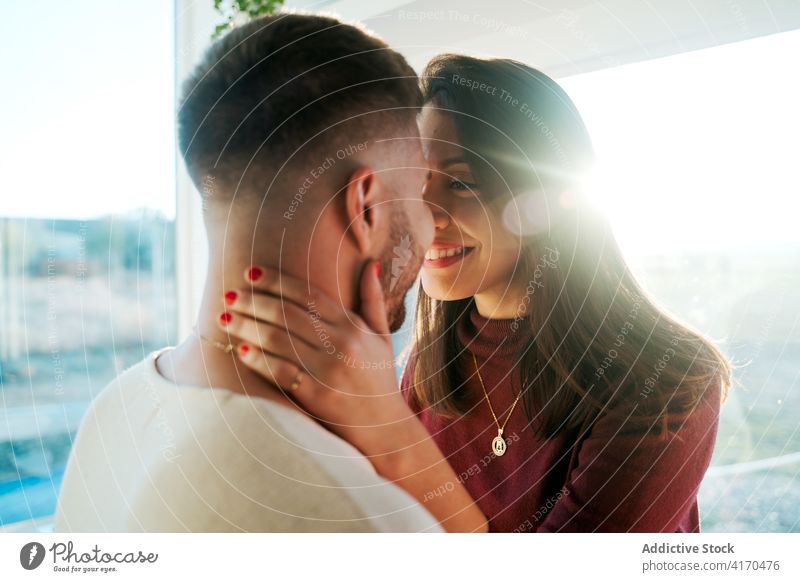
(194, 23)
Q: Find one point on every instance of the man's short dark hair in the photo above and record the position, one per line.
(289, 83)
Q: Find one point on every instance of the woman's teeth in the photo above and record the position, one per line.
(434, 254)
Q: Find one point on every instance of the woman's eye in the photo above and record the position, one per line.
(461, 186)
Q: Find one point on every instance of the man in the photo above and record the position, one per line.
(300, 132)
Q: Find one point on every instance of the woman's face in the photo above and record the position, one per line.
(472, 253)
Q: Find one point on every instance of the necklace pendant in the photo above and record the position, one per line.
(499, 444)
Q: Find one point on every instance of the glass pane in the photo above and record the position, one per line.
(699, 153)
(87, 222)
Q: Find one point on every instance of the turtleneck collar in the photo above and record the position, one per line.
(492, 337)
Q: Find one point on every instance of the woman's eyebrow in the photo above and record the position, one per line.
(452, 161)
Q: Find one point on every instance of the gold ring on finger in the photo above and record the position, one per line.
(297, 380)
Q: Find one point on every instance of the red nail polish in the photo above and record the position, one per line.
(225, 318)
(230, 297)
(378, 269)
(243, 349)
(254, 273)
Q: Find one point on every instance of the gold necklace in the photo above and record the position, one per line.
(227, 348)
(499, 444)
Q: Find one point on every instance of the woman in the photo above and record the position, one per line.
(562, 395)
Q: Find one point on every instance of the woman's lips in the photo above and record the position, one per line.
(438, 258)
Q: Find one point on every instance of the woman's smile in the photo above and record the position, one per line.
(440, 256)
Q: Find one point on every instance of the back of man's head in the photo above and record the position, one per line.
(278, 95)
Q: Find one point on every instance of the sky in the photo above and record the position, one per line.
(698, 150)
(87, 108)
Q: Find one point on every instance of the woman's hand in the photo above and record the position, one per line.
(339, 366)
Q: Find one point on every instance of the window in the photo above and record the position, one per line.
(87, 262)
(700, 180)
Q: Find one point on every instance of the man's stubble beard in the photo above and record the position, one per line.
(396, 281)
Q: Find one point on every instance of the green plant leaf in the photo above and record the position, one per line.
(252, 8)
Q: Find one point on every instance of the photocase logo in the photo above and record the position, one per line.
(31, 555)
(402, 257)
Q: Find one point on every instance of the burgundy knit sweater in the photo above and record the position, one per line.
(604, 476)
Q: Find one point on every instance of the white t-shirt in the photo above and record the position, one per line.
(154, 456)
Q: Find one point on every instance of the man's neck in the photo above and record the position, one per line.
(199, 360)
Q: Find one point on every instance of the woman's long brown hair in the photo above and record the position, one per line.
(599, 340)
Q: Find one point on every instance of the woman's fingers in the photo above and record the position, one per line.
(297, 291)
(284, 374)
(277, 312)
(373, 305)
(269, 338)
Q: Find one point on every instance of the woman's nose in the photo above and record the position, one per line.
(440, 218)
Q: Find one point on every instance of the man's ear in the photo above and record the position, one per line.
(364, 205)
